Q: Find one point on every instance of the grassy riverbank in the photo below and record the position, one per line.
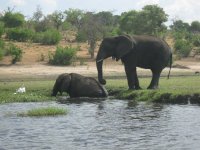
(36, 91)
(174, 90)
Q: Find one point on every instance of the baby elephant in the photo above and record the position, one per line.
(77, 85)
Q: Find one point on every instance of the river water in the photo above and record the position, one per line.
(102, 125)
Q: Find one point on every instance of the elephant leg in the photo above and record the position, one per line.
(137, 85)
(155, 79)
(132, 78)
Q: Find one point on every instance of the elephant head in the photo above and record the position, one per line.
(115, 47)
(62, 84)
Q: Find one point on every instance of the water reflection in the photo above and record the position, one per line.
(101, 124)
(68, 100)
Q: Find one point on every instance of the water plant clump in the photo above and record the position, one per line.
(47, 111)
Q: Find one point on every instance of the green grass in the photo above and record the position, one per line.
(36, 91)
(47, 111)
(174, 90)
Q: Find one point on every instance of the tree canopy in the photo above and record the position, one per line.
(13, 19)
(147, 21)
(195, 26)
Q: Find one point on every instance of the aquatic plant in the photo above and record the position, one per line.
(46, 111)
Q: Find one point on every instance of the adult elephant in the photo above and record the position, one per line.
(136, 51)
(77, 85)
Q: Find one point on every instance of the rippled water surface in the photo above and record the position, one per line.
(106, 125)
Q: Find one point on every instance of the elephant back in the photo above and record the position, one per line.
(86, 87)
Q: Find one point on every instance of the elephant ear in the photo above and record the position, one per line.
(124, 46)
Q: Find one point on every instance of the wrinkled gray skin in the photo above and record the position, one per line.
(77, 85)
(137, 51)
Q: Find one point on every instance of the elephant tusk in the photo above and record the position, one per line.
(99, 60)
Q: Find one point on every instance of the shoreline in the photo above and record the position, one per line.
(185, 91)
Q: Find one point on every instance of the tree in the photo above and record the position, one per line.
(12, 20)
(195, 27)
(44, 24)
(180, 26)
(108, 22)
(57, 18)
(128, 21)
(153, 17)
(91, 29)
(147, 21)
(74, 16)
(37, 16)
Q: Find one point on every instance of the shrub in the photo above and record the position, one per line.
(1, 49)
(182, 48)
(50, 37)
(1, 53)
(116, 31)
(198, 50)
(63, 56)
(19, 34)
(196, 40)
(15, 52)
(13, 20)
(2, 44)
(81, 36)
(1, 29)
(38, 37)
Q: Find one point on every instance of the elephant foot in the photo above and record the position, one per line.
(102, 81)
(135, 88)
(138, 88)
(152, 87)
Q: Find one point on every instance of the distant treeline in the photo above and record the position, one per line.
(93, 26)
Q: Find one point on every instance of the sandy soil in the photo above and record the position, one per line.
(31, 66)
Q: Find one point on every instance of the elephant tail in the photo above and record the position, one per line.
(170, 65)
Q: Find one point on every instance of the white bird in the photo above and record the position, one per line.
(22, 89)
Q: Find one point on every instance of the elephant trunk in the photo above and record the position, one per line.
(99, 64)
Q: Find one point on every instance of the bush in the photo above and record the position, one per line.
(1, 29)
(50, 37)
(182, 48)
(81, 36)
(196, 40)
(38, 37)
(13, 20)
(15, 52)
(19, 34)
(1, 49)
(2, 44)
(63, 56)
(115, 32)
(1, 53)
